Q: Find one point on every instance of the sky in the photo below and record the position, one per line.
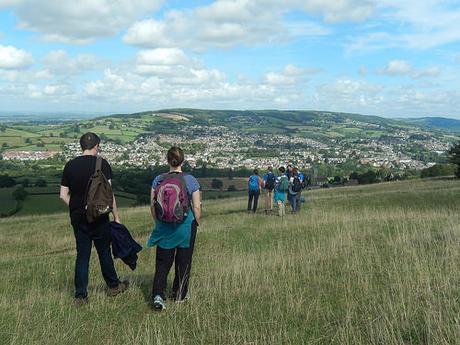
(389, 58)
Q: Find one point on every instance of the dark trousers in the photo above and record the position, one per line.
(85, 235)
(253, 196)
(182, 258)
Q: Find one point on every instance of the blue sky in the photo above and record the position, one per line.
(387, 58)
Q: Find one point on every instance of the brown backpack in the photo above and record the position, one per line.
(99, 195)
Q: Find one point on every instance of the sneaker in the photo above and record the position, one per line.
(80, 302)
(122, 287)
(158, 303)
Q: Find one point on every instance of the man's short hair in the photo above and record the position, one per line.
(89, 140)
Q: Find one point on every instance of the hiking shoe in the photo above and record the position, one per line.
(80, 302)
(122, 287)
(158, 303)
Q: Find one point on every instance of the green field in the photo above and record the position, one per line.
(45, 200)
(362, 265)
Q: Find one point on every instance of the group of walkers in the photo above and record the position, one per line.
(287, 184)
(175, 208)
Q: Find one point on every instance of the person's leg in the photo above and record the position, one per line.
(280, 212)
(283, 208)
(267, 200)
(294, 203)
(251, 196)
(102, 244)
(83, 242)
(163, 263)
(256, 200)
(270, 199)
(183, 266)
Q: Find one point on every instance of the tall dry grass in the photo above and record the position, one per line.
(363, 265)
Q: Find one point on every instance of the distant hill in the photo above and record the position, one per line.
(450, 125)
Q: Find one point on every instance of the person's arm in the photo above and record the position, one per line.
(152, 203)
(196, 202)
(64, 194)
(116, 215)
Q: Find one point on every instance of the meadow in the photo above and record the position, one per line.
(373, 264)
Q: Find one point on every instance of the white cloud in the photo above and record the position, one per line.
(56, 90)
(403, 68)
(290, 75)
(14, 58)
(397, 67)
(162, 56)
(222, 24)
(417, 25)
(59, 62)
(341, 10)
(82, 21)
(9, 3)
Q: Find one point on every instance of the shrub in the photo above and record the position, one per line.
(216, 183)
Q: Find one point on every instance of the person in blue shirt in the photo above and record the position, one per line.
(174, 241)
(254, 186)
(269, 182)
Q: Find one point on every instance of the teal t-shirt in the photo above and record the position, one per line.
(167, 235)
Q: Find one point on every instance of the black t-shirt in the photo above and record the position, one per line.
(76, 175)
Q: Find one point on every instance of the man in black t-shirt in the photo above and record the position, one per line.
(74, 182)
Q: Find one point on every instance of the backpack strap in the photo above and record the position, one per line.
(98, 164)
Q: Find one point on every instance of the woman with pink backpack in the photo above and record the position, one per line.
(176, 209)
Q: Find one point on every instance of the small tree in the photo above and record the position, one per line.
(25, 182)
(454, 157)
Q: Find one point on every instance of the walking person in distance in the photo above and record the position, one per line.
(176, 209)
(254, 186)
(77, 183)
(269, 182)
(281, 188)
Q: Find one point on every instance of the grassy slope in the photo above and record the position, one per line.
(364, 265)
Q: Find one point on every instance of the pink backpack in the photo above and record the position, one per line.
(172, 202)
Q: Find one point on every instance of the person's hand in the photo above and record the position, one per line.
(117, 220)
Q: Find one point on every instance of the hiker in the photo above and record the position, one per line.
(281, 188)
(269, 181)
(254, 186)
(176, 209)
(297, 187)
(89, 228)
(294, 188)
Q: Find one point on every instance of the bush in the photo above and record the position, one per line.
(7, 181)
(20, 194)
(231, 188)
(40, 183)
(438, 170)
(454, 157)
(216, 183)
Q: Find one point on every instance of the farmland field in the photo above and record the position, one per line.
(363, 265)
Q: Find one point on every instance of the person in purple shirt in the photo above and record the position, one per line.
(175, 241)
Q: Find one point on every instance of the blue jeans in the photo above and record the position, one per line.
(292, 198)
(85, 235)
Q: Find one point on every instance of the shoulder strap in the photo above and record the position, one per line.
(98, 164)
